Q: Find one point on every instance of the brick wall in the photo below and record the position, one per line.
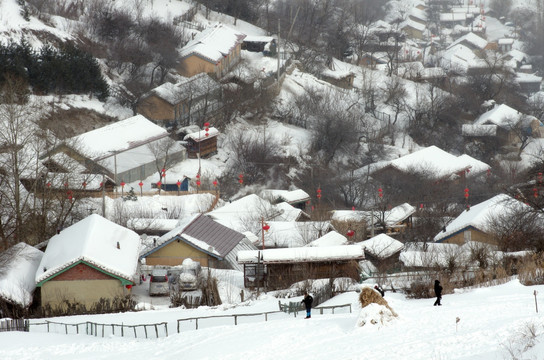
(81, 272)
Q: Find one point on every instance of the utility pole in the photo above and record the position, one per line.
(104, 196)
(279, 53)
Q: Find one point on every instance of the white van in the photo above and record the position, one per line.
(158, 282)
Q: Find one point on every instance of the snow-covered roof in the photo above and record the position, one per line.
(479, 130)
(293, 233)
(431, 161)
(460, 56)
(437, 255)
(302, 254)
(472, 39)
(476, 166)
(289, 196)
(390, 217)
(201, 134)
(258, 38)
(289, 212)
(92, 240)
(242, 213)
(152, 224)
(409, 23)
(478, 216)
(467, 9)
(193, 87)
(382, 246)
(213, 43)
(17, 277)
(454, 17)
(330, 239)
(117, 137)
(501, 115)
(528, 78)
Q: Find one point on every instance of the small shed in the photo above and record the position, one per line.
(263, 44)
(279, 268)
(202, 143)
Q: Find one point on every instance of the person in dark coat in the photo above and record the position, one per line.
(307, 301)
(438, 292)
(379, 289)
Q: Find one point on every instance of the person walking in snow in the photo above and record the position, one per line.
(307, 301)
(438, 292)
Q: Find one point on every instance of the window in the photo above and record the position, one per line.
(467, 235)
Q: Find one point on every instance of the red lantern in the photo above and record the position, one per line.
(48, 184)
(266, 227)
(214, 183)
(421, 206)
(350, 233)
(353, 208)
(140, 184)
(535, 192)
(206, 124)
(159, 184)
(101, 184)
(198, 176)
(380, 192)
(241, 179)
(128, 286)
(123, 184)
(319, 193)
(466, 193)
(198, 183)
(84, 184)
(178, 184)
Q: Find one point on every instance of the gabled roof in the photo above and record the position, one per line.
(472, 39)
(119, 136)
(294, 234)
(330, 239)
(433, 161)
(202, 233)
(213, 43)
(290, 213)
(391, 217)
(289, 196)
(17, 277)
(93, 241)
(193, 87)
(382, 246)
(478, 216)
(302, 254)
(503, 116)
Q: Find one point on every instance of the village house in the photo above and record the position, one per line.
(214, 51)
(125, 151)
(19, 265)
(280, 268)
(298, 198)
(289, 234)
(504, 123)
(90, 260)
(475, 223)
(383, 251)
(431, 163)
(262, 44)
(192, 100)
(201, 239)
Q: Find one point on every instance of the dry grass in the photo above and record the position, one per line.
(371, 296)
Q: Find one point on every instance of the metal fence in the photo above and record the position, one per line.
(13, 325)
(146, 331)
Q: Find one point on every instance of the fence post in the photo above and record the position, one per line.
(66, 328)
(103, 330)
(156, 331)
(112, 329)
(235, 319)
(134, 328)
(178, 325)
(47, 325)
(196, 321)
(145, 331)
(122, 330)
(166, 328)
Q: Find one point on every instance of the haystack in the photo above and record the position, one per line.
(375, 309)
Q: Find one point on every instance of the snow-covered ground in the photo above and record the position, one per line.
(486, 324)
